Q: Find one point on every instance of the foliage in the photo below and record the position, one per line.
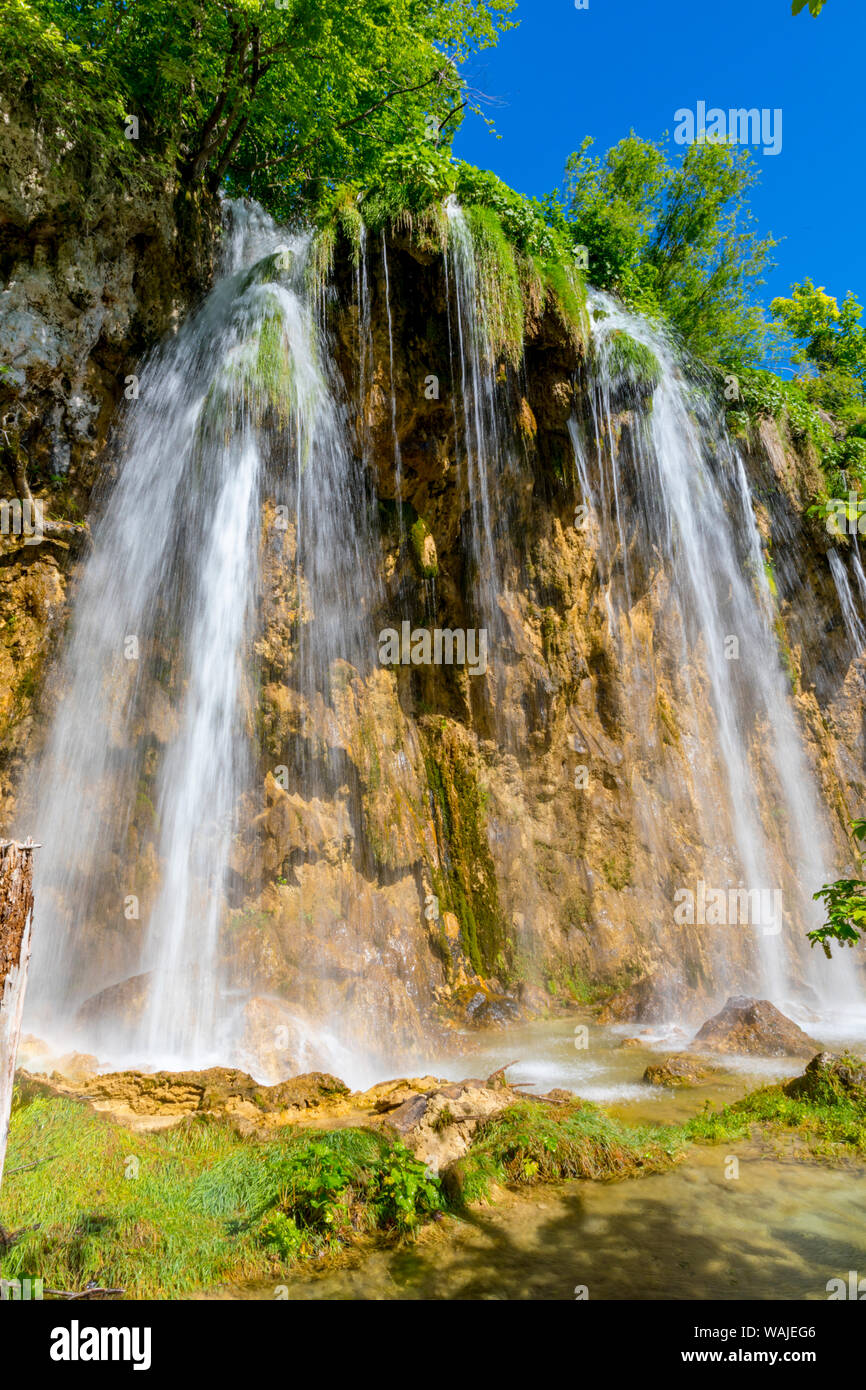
(523, 219)
(532, 1142)
(279, 100)
(673, 239)
(50, 66)
(830, 1123)
(632, 361)
(160, 1214)
(815, 6)
(497, 283)
(832, 346)
(845, 904)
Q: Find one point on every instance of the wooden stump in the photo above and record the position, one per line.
(16, 918)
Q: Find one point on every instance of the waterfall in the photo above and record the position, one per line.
(238, 479)
(851, 618)
(156, 690)
(668, 494)
(481, 429)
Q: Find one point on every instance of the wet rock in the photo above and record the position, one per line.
(679, 1070)
(830, 1079)
(653, 999)
(534, 999)
(492, 1011)
(169, 1096)
(121, 1003)
(753, 1026)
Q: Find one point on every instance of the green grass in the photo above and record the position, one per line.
(162, 1214)
(533, 1142)
(829, 1126)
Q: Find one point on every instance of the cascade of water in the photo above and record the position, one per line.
(859, 575)
(853, 624)
(481, 441)
(398, 461)
(675, 494)
(155, 687)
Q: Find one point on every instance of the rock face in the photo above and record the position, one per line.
(92, 276)
(679, 1070)
(166, 1097)
(829, 1079)
(753, 1026)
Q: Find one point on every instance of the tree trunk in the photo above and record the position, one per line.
(16, 916)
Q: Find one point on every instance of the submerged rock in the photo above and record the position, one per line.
(679, 1070)
(753, 1026)
(830, 1079)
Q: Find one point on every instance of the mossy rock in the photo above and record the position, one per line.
(632, 364)
(424, 551)
(831, 1080)
(466, 885)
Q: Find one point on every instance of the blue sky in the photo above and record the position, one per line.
(566, 73)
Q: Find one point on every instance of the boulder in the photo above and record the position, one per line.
(492, 1011)
(439, 1126)
(679, 1070)
(830, 1079)
(656, 998)
(753, 1026)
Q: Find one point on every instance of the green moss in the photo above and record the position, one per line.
(665, 716)
(633, 363)
(617, 869)
(500, 306)
(566, 292)
(320, 261)
(420, 538)
(574, 910)
(467, 885)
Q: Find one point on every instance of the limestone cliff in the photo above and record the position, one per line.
(469, 847)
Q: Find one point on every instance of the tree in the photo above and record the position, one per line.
(674, 239)
(815, 6)
(832, 349)
(832, 337)
(845, 903)
(276, 96)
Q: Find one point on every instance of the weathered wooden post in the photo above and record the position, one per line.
(16, 918)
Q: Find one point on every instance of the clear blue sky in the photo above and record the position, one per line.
(622, 64)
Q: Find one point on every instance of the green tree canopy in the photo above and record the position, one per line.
(279, 97)
(674, 238)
